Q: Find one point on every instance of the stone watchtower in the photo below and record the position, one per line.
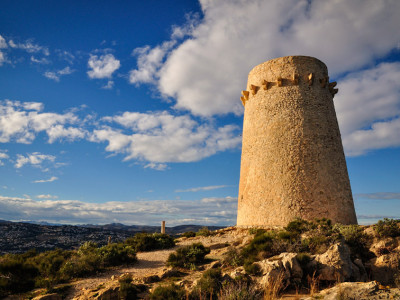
(293, 163)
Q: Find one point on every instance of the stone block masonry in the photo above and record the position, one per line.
(293, 164)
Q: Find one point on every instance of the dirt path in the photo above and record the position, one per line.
(152, 263)
(149, 263)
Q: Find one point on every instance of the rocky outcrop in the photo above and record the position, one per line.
(53, 296)
(283, 267)
(335, 265)
(385, 267)
(356, 290)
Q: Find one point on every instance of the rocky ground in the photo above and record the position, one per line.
(347, 278)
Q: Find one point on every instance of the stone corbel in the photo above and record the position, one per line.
(265, 85)
(246, 95)
(253, 89)
(243, 101)
(279, 81)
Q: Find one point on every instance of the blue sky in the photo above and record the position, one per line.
(129, 111)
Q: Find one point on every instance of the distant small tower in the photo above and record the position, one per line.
(293, 164)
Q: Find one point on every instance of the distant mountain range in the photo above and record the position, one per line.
(18, 237)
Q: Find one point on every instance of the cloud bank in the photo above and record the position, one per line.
(219, 211)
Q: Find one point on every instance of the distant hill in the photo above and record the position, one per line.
(18, 237)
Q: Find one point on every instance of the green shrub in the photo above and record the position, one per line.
(233, 257)
(188, 234)
(204, 232)
(298, 226)
(239, 289)
(387, 228)
(209, 285)
(127, 290)
(356, 239)
(16, 275)
(252, 268)
(170, 292)
(117, 254)
(188, 256)
(256, 230)
(150, 241)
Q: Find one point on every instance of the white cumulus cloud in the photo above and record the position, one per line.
(22, 121)
(368, 109)
(206, 72)
(102, 66)
(162, 137)
(35, 159)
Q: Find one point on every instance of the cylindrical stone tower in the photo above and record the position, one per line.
(293, 164)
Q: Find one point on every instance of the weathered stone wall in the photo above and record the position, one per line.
(293, 163)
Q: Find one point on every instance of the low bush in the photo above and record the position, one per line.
(117, 254)
(204, 232)
(151, 241)
(356, 239)
(16, 275)
(209, 285)
(188, 256)
(240, 290)
(127, 290)
(233, 257)
(188, 234)
(168, 292)
(252, 268)
(387, 228)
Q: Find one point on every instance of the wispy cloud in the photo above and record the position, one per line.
(51, 179)
(379, 196)
(3, 156)
(203, 188)
(30, 46)
(55, 75)
(175, 212)
(46, 196)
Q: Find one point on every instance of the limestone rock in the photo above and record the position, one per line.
(291, 264)
(48, 297)
(356, 290)
(361, 268)
(384, 267)
(170, 272)
(273, 270)
(387, 244)
(238, 272)
(335, 264)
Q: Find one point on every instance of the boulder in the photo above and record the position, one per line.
(361, 268)
(383, 246)
(291, 264)
(384, 267)
(335, 264)
(273, 272)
